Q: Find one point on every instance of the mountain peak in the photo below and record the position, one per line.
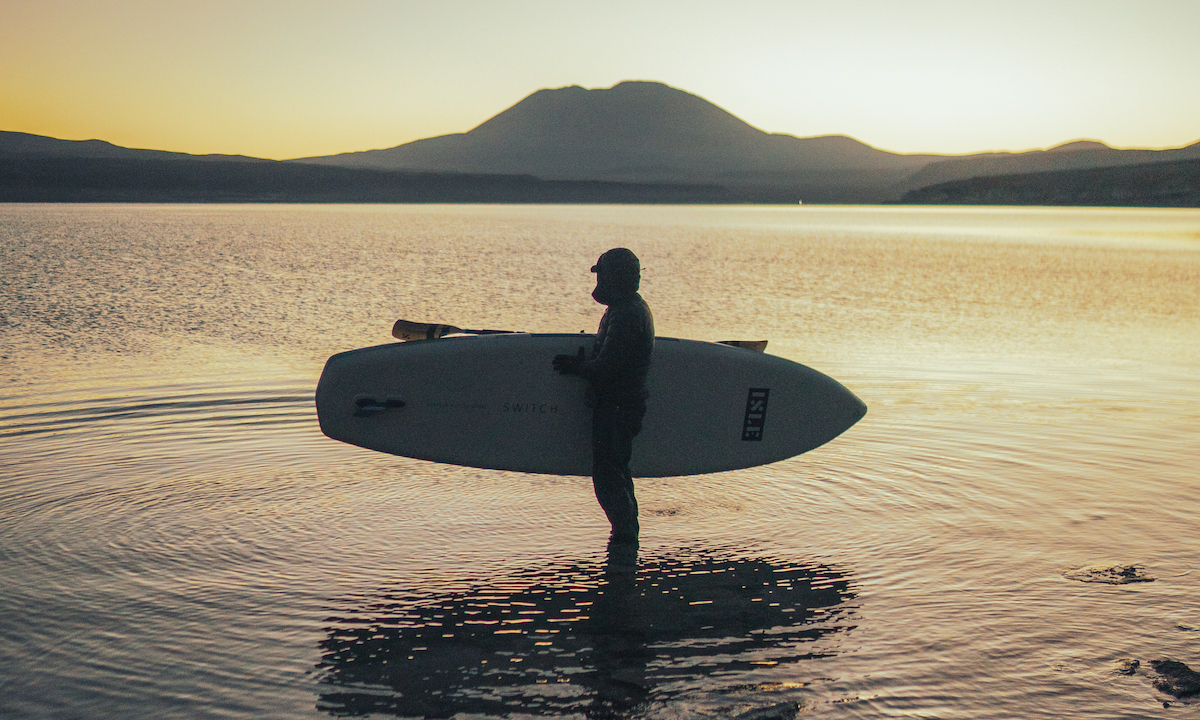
(633, 112)
(645, 131)
(1078, 145)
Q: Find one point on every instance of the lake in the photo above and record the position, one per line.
(178, 539)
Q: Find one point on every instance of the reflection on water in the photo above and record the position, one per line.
(604, 640)
(174, 528)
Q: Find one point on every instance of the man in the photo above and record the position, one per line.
(616, 374)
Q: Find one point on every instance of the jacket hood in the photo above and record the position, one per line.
(618, 274)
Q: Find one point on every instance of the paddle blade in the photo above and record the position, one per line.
(408, 330)
(755, 345)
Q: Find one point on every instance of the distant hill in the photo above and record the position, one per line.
(632, 135)
(1160, 184)
(32, 178)
(1078, 155)
(23, 144)
(651, 132)
(648, 132)
(35, 168)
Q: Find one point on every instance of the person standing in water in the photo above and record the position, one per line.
(616, 373)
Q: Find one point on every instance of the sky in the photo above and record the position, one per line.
(298, 78)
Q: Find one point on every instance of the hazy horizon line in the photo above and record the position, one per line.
(800, 137)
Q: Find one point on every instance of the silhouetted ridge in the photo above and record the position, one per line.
(37, 178)
(647, 132)
(631, 114)
(1080, 155)
(1162, 184)
(1078, 145)
(25, 144)
(637, 141)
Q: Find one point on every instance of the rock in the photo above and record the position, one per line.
(1175, 678)
(779, 711)
(1111, 574)
(1127, 667)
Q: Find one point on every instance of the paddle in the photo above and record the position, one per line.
(755, 345)
(409, 330)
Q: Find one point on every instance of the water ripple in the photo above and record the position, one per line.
(153, 409)
(602, 639)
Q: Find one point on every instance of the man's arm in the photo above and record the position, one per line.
(626, 349)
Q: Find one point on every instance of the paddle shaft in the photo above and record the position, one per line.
(409, 330)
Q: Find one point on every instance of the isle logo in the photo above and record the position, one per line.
(756, 414)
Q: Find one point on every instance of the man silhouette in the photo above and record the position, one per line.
(616, 373)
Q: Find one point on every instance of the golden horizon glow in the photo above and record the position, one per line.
(311, 77)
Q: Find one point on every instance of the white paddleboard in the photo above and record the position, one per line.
(495, 402)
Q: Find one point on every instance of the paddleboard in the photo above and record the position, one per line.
(495, 402)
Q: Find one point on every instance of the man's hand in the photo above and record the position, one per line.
(568, 364)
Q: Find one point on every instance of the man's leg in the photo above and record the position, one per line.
(613, 430)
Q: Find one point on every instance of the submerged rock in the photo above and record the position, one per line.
(779, 711)
(1127, 667)
(1111, 574)
(1175, 678)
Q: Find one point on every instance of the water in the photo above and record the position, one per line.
(177, 539)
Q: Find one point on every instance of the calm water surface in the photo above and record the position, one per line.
(177, 538)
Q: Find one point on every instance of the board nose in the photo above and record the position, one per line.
(838, 410)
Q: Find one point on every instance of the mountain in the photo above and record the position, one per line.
(647, 132)
(17, 144)
(35, 168)
(634, 142)
(42, 178)
(1173, 183)
(650, 132)
(1079, 155)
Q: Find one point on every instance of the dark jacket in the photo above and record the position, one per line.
(620, 359)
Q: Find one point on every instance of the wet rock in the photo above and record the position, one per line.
(1126, 667)
(1111, 574)
(779, 711)
(1175, 678)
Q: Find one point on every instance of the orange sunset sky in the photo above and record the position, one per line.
(313, 77)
